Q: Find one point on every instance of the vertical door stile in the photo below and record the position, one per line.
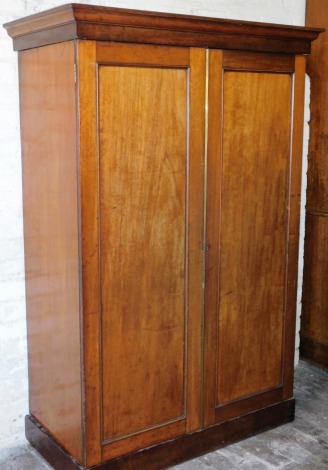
(196, 232)
(204, 233)
(89, 246)
(212, 245)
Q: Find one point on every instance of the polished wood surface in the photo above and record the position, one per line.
(147, 240)
(212, 247)
(314, 320)
(317, 68)
(314, 352)
(264, 62)
(77, 21)
(254, 192)
(163, 183)
(48, 131)
(315, 299)
(89, 245)
(294, 226)
(143, 236)
(252, 197)
(171, 452)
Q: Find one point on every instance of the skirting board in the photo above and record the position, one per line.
(171, 452)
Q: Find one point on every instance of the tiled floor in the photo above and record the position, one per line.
(301, 445)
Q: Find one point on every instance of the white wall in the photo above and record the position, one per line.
(13, 367)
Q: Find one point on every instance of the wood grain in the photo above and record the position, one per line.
(89, 242)
(195, 191)
(143, 245)
(314, 326)
(314, 352)
(293, 225)
(264, 62)
(142, 318)
(315, 299)
(252, 219)
(48, 131)
(317, 68)
(237, 198)
(213, 205)
(181, 326)
(76, 21)
(255, 169)
(171, 452)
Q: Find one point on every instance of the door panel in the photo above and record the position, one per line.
(143, 176)
(253, 239)
(247, 302)
(149, 226)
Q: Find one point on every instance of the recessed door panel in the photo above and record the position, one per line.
(253, 237)
(143, 176)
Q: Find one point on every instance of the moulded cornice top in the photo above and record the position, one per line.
(78, 21)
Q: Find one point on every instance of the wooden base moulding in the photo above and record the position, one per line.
(170, 452)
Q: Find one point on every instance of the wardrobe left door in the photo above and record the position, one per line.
(141, 149)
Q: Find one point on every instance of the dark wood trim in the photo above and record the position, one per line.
(171, 452)
(241, 406)
(316, 213)
(251, 61)
(314, 352)
(50, 450)
(76, 21)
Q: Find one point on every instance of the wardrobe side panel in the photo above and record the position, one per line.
(48, 130)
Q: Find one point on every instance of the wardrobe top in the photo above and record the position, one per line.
(78, 21)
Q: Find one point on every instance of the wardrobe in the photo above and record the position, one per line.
(161, 181)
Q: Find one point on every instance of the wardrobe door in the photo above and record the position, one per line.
(254, 165)
(147, 219)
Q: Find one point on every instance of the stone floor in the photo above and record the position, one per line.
(301, 445)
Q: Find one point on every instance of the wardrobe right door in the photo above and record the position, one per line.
(255, 125)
